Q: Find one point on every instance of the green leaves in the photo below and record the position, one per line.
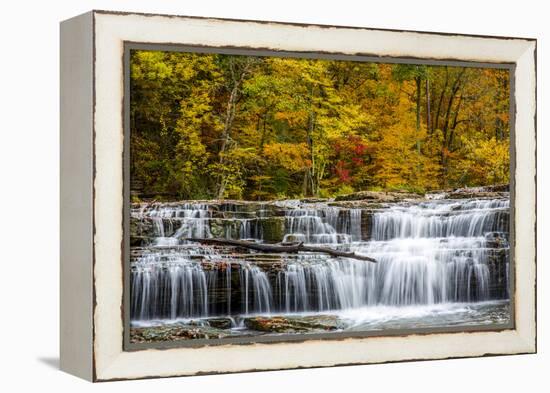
(407, 72)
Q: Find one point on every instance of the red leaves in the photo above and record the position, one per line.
(350, 156)
(360, 148)
(342, 173)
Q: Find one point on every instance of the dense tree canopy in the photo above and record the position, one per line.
(207, 126)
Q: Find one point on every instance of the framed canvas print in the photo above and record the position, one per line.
(245, 195)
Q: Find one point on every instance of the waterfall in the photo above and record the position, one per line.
(323, 225)
(194, 220)
(441, 219)
(431, 252)
(408, 272)
(328, 285)
(256, 292)
(167, 285)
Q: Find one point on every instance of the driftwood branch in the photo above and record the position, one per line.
(290, 248)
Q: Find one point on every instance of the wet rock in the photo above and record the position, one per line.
(378, 196)
(366, 224)
(141, 227)
(273, 229)
(493, 188)
(219, 323)
(225, 228)
(139, 241)
(142, 231)
(235, 214)
(497, 240)
(474, 194)
(359, 204)
(294, 238)
(174, 333)
(239, 206)
(486, 192)
(273, 325)
(216, 228)
(498, 188)
(294, 324)
(313, 200)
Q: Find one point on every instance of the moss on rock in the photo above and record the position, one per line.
(273, 229)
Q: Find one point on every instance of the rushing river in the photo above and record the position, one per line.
(440, 262)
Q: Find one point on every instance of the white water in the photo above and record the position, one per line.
(323, 225)
(440, 219)
(430, 254)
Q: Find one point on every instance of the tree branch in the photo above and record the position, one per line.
(291, 248)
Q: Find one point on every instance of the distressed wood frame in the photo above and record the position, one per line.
(131, 46)
(92, 193)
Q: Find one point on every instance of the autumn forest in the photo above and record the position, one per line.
(212, 126)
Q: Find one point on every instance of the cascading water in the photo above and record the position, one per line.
(442, 218)
(429, 253)
(323, 225)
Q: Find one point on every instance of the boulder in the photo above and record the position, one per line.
(174, 332)
(273, 229)
(219, 323)
(294, 324)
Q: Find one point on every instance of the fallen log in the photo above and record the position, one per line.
(290, 248)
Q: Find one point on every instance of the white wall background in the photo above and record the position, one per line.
(29, 198)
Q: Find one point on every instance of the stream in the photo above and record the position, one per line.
(440, 262)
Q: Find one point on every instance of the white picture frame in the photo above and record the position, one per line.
(92, 194)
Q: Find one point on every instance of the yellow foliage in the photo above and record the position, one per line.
(399, 164)
(486, 162)
(291, 156)
(213, 125)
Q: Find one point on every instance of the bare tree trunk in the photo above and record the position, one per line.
(226, 135)
(418, 96)
(310, 174)
(455, 123)
(428, 109)
(229, 117)
(445, 145)
(440, 101)
(228, 123)
(263, 131)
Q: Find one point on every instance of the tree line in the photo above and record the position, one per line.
(212, 126)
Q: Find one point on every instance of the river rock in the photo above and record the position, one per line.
(313, 200)
(378, 196)
(468, 194)
(294, 324)
(485, 192)
(219, 323)
(174, 332)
